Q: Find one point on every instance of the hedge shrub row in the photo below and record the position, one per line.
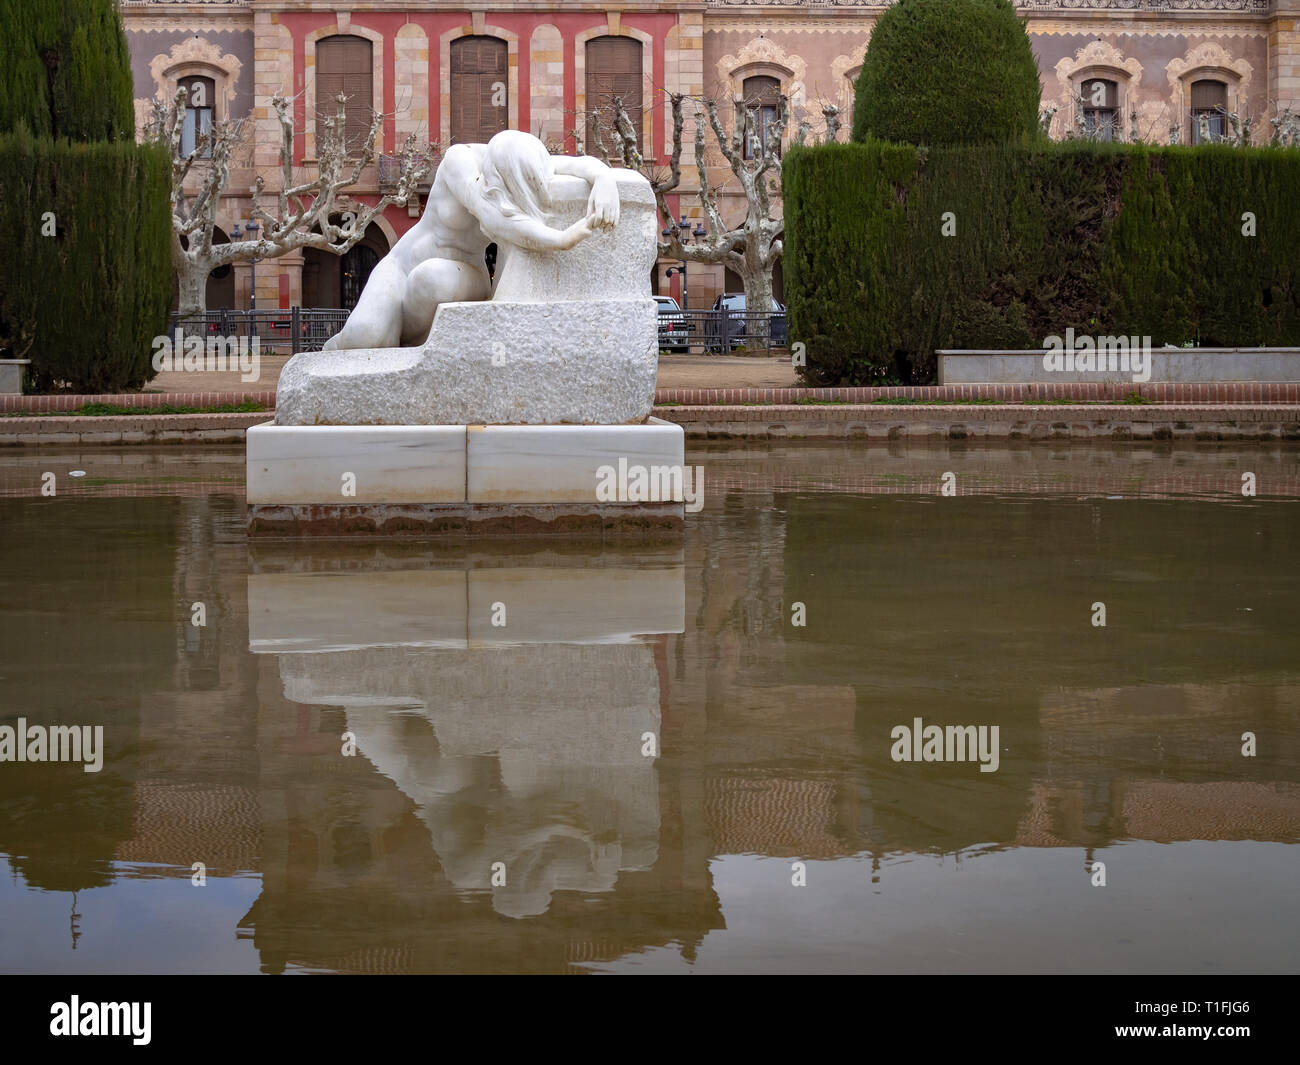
(1109, 239)
(85, 303)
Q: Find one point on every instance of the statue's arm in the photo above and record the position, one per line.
(602, 204)
(525, 232)
(587, 167)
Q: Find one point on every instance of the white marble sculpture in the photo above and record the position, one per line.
(483, 193)
(569, 335)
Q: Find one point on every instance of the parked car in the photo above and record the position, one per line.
(731, 326)
(674, 326)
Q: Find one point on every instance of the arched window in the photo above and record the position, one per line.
(1100, 108)
(1209, 98)
(330, 280)
(197, 121)
(344, 65)
(761, 96)
(613, 69)
(479, 80)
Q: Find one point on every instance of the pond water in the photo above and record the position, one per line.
(413, 757)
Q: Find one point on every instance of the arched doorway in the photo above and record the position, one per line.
(221, 282)
(330, 280)
(220, 292)
(354, 272)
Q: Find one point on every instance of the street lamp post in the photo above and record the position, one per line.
(237, 234)
(685, 235)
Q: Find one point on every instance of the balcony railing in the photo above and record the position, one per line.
(390, 173)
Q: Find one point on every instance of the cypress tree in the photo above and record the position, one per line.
(941, 72)
(86, 282)
(65, 70)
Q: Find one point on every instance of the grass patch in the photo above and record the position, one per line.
(908, 401)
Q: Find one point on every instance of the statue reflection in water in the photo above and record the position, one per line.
(514, 708)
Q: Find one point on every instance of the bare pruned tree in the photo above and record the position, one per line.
(1286, 130)
(749, 245)
(305, 210)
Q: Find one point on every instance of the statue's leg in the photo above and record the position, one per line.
(376, 321)
(437, 281)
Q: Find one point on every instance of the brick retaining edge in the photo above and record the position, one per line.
(1208, 421)
(1224, 392)
(55, 404)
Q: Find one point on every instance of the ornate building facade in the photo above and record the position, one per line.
(450, 71)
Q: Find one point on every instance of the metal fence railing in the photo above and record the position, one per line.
(722, 332)
(281, 331)
(284, 332)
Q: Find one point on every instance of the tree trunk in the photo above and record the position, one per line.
(192, 282)
(758, 297)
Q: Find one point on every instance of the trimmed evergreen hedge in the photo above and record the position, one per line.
(85, 303)
(1110, 239)
(941, 72)
(86, 277)
(66, 70)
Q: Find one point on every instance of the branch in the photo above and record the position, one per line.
(730, 147)
(831, 114)
(626, 135)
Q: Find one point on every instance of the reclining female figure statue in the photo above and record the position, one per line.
(499, 191)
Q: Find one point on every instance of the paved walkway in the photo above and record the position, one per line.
(675, 371)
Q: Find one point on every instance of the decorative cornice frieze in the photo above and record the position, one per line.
(1041, 23)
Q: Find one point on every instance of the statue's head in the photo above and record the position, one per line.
(517, 173)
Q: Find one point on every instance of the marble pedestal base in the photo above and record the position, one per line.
(420, 480)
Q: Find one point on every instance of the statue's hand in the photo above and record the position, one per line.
(579, 231)
(602, 204)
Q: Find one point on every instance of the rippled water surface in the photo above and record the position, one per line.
(649, 766)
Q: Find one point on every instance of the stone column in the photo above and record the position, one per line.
(290, 266)
(1284, 58)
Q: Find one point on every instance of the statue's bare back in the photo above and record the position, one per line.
(447, 229)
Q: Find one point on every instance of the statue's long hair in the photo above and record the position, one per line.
(517, 175)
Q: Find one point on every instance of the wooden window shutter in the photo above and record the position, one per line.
(478, 66)
(613, 69)
(1109, 97)
(761, 91)
(344, 64)
(1207, 95)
